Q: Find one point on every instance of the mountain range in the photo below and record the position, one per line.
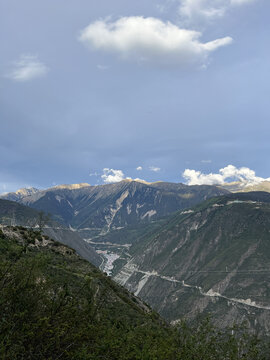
(112, 217)
(96, 210)
(183, 249)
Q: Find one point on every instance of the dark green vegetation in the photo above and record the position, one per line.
(55, 305)
(11, 211)
(213, 259)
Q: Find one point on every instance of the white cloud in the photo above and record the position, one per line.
(227, 174)
(28, 67)
(139, 168)
(112, 176)
(241, 2)
(150, 40)
(154, 168)
(194, 10)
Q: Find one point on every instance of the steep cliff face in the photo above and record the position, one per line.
(213, 258)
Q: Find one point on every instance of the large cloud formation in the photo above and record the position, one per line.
(150, 40)
(111, 175)
(27, 68)
(226, 174)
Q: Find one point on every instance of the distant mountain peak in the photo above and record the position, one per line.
(241, 186)
(20, 194)
(71, 186)
(26, 191)
(137, 180)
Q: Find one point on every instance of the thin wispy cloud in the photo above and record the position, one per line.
(150, 41)
(94, 174)
(195, 10)
(241, 2)
(154, 168)
(27, 68)
(227, 174)
(139, 168)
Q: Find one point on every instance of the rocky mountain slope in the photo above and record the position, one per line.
(114, 216)
(20, 194)
(213, 258)
(12, 213)
(96, 210)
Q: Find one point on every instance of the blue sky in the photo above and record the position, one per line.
(121, 85)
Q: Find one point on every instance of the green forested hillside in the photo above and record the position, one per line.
(54, 305)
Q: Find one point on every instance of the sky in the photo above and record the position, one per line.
(98, 91)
